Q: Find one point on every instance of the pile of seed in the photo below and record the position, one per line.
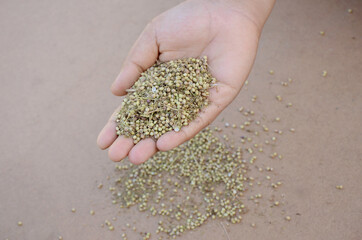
(203, 178)
(166, 97)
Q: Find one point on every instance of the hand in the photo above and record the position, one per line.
(225, 31)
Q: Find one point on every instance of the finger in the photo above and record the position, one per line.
(120, 148)
(142, 151)
(173, 139)
(142, 55)
(108, 134)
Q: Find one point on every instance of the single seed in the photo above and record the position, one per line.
(91, 212)
(20, 223)
(340, 187)
(324, 73)
(60, 238)
(271, 72)
(350, 10)
(74, 210)
(288, 218)
(279, 98)
(322, 33)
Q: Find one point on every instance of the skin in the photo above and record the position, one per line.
(226, 31)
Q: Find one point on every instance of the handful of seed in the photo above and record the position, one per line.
(166, 97)
(199, 180)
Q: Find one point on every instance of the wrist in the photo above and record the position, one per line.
(257, 10)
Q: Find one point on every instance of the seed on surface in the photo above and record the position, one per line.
(324, 73)
(74, 210)
(91, 212)
(276, 203)
(350, 10)
(288, 218)
(111, 228)
(279, 98)
(20, 223)
(60, 238)
(253, 225)
(100, 185)
(340, 187)
(289, 104)
(322, 33)
(271, 72)
(292, 129)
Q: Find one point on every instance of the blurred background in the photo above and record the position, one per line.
(58, 60)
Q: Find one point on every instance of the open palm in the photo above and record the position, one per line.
(226, 33)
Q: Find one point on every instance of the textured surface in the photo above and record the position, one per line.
(58, 59)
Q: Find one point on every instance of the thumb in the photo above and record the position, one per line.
(143, 54)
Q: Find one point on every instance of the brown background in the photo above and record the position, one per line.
(58, 59)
